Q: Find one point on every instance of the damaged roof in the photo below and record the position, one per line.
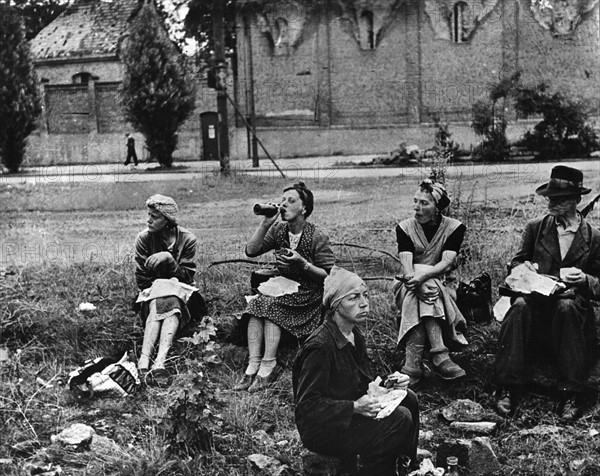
(88, 28)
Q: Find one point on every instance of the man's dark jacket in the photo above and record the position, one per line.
(540, 245)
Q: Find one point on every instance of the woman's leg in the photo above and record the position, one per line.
(151, 333)
(444, 366)
(256, 332)
(272, 334)
(167, 335)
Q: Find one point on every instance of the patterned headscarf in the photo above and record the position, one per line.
(339, 284)
(437, 191)
(165, 205)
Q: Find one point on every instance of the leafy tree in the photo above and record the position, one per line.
(198, 25)
(19, 98)
(38, 13)
(158, 94)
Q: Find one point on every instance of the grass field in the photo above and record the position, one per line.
(68, 244)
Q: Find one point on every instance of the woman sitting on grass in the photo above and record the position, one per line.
(428, 245)
(303, 254)
(164, 251)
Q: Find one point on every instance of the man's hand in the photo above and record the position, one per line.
(367, 406)
(573, 276)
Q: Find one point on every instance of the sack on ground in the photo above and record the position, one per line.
(474, 299)
(105, 376)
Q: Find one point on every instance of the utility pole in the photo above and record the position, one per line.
(221, 80)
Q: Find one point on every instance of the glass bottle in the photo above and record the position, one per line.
(452, 463)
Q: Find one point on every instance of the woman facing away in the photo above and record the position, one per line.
(304, 255)
(428, 246)
(165, 267)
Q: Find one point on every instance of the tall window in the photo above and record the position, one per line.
(460, 19)
(366, 30)
(281, 31)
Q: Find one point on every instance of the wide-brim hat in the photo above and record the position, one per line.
(563, 181)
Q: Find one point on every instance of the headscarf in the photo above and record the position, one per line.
(339, 284)
(438, 192)
(165, 205)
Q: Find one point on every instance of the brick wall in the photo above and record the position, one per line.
(328, 80)
(570, 64)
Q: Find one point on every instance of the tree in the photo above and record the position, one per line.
(198, 25)
(38, 13)
(158, 93)
(19, 98)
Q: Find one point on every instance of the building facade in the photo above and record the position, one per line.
(77, 61)
(360, 76)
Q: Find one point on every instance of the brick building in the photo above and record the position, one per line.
(77, 61)
(359, 76)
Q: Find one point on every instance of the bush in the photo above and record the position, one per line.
(564, 130)
(489, 121)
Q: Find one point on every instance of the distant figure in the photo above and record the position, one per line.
(130, 150)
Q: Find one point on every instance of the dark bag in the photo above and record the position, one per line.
(474, 299)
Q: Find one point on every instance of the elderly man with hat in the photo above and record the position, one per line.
(334, 414)
(564, 245)
(165, 256)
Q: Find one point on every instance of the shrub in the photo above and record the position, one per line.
(564, 130)
(19, 99)
(489, 120)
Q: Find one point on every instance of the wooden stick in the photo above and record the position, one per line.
(350, 245)
(249, 261)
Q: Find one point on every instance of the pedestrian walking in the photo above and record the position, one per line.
(130, 141)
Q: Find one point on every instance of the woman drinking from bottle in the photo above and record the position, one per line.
(304, 255)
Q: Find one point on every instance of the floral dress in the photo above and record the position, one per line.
(298, 313)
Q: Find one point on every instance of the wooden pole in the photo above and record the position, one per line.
(221, 73)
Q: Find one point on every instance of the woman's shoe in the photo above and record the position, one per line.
(158, 377)
(245, 382)
(261, 383)
(448, 370)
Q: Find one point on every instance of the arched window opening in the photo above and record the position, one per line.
(281, 32)
(460, 19)
(366, 29)
(81, 78)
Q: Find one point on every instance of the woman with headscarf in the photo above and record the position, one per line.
(304, 255)
(428, 246)
(164, 251)
(334, 413)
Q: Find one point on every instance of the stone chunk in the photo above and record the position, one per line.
(463, 410)
(481, 427)
(476, 456)
(315, 464)
(267, 465)
(77, 434)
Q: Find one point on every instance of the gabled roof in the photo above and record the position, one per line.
(88, 28)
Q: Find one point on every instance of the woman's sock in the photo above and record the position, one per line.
(266, 367)
(253, 364)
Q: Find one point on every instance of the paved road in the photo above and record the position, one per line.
(314, 168)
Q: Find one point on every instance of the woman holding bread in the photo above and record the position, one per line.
(304, 255)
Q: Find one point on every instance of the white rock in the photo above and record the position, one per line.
(75, 435)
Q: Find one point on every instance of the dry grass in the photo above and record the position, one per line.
(38, 316)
